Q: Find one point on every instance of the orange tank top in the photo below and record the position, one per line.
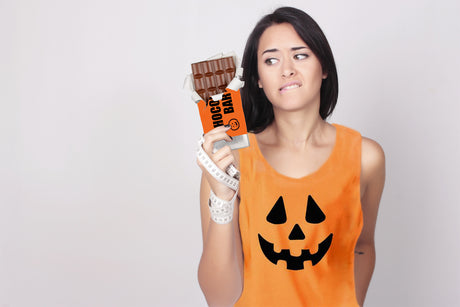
(299, 235)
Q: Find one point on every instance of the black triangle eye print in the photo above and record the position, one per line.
(278, 213)
(314, 214)
(278, 216)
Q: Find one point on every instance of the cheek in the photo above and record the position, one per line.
(317, 70)
(270, 91)
(268, 83)
(265, 75)
(313, 78)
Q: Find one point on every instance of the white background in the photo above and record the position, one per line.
(98, 181)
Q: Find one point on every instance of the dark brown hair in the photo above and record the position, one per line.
(257, 108)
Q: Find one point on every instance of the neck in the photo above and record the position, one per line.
(296, 129)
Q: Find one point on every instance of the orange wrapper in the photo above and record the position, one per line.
(217, 86)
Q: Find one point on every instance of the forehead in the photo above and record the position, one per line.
(280, 36)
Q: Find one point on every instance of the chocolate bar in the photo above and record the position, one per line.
(216, 91)
(212, 77)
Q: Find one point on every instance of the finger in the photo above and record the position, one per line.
(219, 129)
(221, 153)
(225, 162)
(210, 139)
(222, 161)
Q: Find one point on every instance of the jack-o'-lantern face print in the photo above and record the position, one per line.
(277, 216)
(234, 124)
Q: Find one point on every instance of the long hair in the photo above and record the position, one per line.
(257, 108)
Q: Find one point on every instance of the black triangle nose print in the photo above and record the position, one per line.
(314, 214)
(296, 233)
(278, 216)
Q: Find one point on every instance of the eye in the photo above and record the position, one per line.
(271, 61)
(300, 56)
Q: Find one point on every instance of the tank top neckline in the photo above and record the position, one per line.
(323, 166)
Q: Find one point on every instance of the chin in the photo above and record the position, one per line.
(296, 100)
(292, 106)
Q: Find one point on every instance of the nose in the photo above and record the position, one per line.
(288, 69)
(296, 233)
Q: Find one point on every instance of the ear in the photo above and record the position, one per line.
(260, 84)
(324, 75)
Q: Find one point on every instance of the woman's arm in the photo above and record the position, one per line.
(220, 272)
(372, 182)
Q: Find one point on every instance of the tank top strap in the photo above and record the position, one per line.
(348, 151)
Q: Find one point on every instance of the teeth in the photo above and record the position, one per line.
(277, 248)
(282, 264)
(296, 252)
(290, 87)
(314, 249)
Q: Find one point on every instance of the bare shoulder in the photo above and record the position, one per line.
(372, 162)
(372, 154)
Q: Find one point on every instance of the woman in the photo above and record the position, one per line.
(302, 232)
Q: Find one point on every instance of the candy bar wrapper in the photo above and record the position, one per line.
(216, 85)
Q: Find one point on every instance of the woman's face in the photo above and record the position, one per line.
(289, 73)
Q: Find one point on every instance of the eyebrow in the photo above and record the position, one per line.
(292, 49)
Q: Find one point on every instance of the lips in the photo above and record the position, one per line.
(290, 86)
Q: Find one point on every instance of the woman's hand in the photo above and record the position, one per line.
(223, 158)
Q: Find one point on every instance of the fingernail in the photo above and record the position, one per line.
(227, 126)
(231, 137)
